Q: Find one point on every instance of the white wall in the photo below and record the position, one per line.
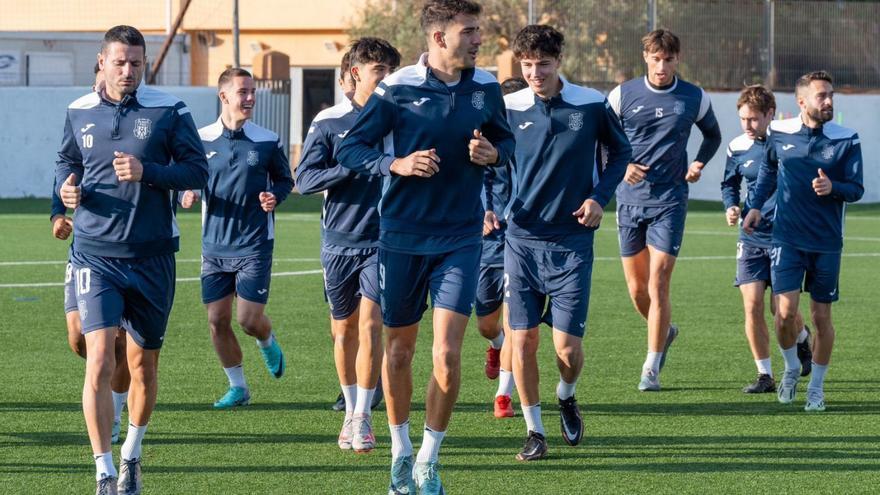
(859, 112)
(33, 119)
(77, 54)
(32, 123)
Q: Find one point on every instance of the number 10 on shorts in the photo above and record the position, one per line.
(83, 281)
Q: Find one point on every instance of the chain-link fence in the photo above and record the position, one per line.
(725, 44)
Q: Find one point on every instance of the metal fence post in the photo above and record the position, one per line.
(652, 14)
(770, 32)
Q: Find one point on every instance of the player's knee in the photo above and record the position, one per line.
(786, 315)
(754, 310)
(398, 358)
(249, 322)
(220, 323)
(570, 356)
(99, 370)
(821, 315)
(658, 290)
(525, 344)
(447, 363)
(488, 328)
(143, 373)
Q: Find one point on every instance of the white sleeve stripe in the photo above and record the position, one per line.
(705, 104)
(856, 141)
(182, 111)
(379, 91)
(614, 100)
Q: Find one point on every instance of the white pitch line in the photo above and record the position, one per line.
(184, 279)
(315, 272)
(64, 262)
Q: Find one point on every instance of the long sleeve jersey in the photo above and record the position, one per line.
(792, 158)
(557, 163)
(129, 219)
(350, 215)
(413, 110)
(744, 158)
(241, 163)
(58, 207)
(497, 186)
(658, 123)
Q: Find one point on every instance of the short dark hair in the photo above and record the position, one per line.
(661, 40)
(758, 98)
(441, 12)
(126, 35)
(513, 84)
(373, 50)
(538, 40)
(231, 73)
(345, 64)
(817, 75)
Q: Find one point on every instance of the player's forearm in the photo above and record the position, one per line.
(281, 188)
(765, 186)
(311, 179)
(711, 143)
(178, 176)
(619, 156)
(505, 149)
(847, 191)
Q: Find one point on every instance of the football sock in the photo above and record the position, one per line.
(401, 446)
(564, 390)
(118, 403)
(817, 377)
(498, 341)
(350, 394)
(505, 383)
(652, 362)
(791, 358)
(533, 418)
(131, 449)
(764, 367)
(104, 467)
(268, 342)
(802, 336)
(430, 448)
(364, 398)
(235, 375)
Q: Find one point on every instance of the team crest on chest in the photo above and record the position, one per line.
(575, 121)
(253, 157)
(828, 152)
(478, 99)
(143, 128)
(678, 108)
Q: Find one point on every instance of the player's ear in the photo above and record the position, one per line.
(100, 60)
(439, 38)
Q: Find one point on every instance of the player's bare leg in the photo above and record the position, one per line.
(75, 338)
(786, 334)
(400, 346)
(525, 372)
(636, 271)
(570, 361)
(368, 366)
(491, 329)
(758, 336)
(97, 399)
(345, 349)
(229, 351)
(445, 381)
